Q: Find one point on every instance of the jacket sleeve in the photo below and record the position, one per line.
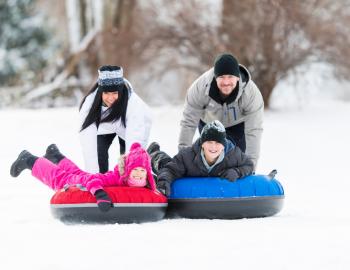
(173, 169)
(88, 137)
(194, 107)
(254, 113)
(138, 122)
(99, 181)
(244, 165)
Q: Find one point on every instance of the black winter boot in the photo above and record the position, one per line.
(153, 147)
(53, 154)
(25, 160)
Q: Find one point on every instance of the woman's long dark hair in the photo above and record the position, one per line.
(114, 113)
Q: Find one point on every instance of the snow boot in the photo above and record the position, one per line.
(25, 160)
(53, 154)
(153, 147)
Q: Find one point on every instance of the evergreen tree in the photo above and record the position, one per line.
(23, 42)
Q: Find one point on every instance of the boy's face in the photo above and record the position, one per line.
(138, 173)
(212, 150)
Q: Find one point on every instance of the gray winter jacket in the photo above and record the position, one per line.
(188, 162)
(247, 107)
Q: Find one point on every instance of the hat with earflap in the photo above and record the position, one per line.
(214, 131)
(138, 157)
(110, 78)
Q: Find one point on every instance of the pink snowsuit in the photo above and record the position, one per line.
(67, 173)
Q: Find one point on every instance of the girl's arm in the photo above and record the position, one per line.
(99, 181)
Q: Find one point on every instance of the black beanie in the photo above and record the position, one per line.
(226, 64)
(110, 78)
(214, 131)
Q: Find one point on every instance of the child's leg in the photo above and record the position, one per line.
(53, 154)
(54, 176)
(70, 167)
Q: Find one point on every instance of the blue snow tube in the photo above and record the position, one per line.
(216, 198)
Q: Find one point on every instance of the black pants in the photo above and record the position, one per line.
(235, 134)
(103, 144)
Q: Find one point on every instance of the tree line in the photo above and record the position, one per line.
(270, 37)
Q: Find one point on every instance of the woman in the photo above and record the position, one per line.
(212, 155)
(111, 108)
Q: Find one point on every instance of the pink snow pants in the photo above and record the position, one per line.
(56, 176)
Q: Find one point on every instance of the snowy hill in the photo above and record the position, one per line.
(309, 147)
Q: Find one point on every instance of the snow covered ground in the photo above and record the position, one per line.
(309, 147)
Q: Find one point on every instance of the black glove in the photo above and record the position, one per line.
(164, 187)
(158, 160)
(230, 174)
(104, 202)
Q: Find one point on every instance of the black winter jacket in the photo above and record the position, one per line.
(188, 163)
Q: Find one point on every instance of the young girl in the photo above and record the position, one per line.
(211, 155)
(56, 171)
(111, 108)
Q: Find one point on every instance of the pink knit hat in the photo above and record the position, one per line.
(138, 157)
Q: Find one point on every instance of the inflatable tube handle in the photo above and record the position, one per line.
(272, 174)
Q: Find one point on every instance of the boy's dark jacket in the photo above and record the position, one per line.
(188, 163)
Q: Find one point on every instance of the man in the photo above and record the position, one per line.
(228, 94)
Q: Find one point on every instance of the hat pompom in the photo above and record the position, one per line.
(134, 146)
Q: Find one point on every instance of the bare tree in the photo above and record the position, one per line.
(270, 37)
(280, 35)
(100, 33)
(114, 44)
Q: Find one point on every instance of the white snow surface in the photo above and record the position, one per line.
(309, 147)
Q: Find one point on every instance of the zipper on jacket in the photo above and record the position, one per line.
(226, 114)
(234, 115)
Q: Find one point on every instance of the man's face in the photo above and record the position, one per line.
(226, 84)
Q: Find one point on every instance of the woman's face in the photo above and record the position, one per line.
(109, 98)
(212, 150)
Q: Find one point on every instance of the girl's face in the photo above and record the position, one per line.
(212, 150)
(137, 177)
(109, 98)
(138, 173)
